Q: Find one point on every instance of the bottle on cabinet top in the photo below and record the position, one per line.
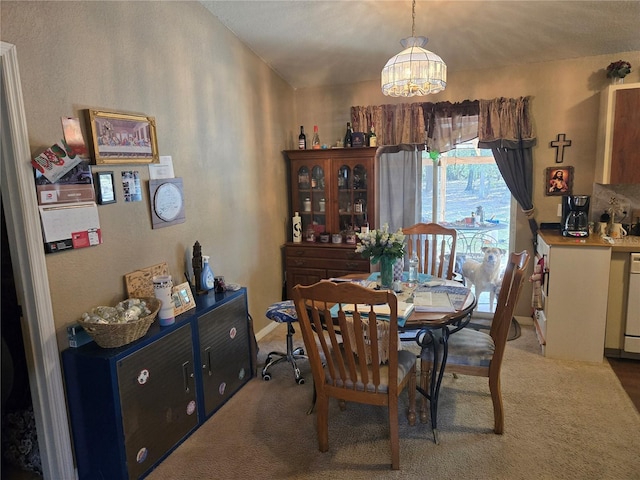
(302, 139)
(315, 143)
(373, 140)
(348, 136)
(297, 228)
(207, 280)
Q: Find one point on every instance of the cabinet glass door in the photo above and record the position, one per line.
(353, 198)
(311, 199)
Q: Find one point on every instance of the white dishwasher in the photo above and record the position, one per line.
(632, 330)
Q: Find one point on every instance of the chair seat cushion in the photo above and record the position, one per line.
(466, 347)
(406, 360)
(282, 312)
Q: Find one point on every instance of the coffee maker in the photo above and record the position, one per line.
(575, 216)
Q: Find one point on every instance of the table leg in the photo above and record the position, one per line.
(436, 375)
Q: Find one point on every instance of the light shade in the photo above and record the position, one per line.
(414, 71)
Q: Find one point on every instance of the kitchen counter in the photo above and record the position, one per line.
(606, 300)
(629, 243)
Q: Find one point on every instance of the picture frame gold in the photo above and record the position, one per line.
(122, 138)
(182, 297)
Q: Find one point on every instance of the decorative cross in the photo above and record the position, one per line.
(559, 144)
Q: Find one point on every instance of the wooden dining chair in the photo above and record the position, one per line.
(354, 353)
(477, 353)
(435, 246)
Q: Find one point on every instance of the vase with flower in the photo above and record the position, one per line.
(382, 247)
(616, 71)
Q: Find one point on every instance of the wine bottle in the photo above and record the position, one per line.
(315, 143)
(302, 139)
(373, 140)
(348, 136)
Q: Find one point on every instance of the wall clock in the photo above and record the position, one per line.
(167, 202)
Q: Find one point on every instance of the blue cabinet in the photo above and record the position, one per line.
(131, 406)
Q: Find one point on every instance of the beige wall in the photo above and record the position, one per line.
(566, 96)
(225, 117)
(221, 113)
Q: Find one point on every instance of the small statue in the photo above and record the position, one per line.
(196, 263)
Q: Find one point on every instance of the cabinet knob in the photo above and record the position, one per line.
(299, 262)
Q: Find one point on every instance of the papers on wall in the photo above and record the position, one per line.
(55, 161)
(73, 136)
(74, 186)
(161, 170)
(70, 226)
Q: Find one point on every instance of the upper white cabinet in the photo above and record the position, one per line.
(618, 155)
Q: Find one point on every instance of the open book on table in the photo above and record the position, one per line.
(441, 298)
(382, 311)
(432, 302)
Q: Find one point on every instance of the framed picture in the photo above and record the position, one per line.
(121, 138)
(105, 188)
(182, 298)
(558, 181)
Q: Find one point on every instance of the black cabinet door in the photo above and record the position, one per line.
(225, 352)
(158, 398)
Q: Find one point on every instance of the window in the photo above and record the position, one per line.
(467, 192)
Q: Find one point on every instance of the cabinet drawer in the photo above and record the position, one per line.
(327, 251)
(328, 263)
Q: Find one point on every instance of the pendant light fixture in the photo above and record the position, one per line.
(414, 71)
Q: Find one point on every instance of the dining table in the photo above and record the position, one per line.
(431, 329)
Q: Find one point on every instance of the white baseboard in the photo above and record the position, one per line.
(522, 320)
(266, 330)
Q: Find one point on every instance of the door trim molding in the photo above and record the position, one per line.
(32, 281)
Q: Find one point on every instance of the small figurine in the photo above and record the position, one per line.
(196, 263)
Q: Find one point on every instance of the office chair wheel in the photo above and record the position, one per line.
(266, 377)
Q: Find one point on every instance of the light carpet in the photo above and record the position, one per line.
(563, 420)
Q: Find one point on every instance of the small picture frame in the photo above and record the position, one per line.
(105, 188)
(122, 138)
(182, 298)
(558, 181)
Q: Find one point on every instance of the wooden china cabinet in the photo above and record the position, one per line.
(333, 191)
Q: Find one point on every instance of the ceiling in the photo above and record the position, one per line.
(319, 43)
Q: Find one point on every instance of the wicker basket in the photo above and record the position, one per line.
(112, 335)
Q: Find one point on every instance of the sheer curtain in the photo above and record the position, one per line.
(506, 127)
(399, 192)
(448, 124)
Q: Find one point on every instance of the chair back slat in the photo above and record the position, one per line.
(353, 352)
(437, 243)
(509, 293)
(349, 342)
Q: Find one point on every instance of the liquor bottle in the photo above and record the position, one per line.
(373, 140)
(348, 136)
(315, 143)
(297, 228)
(302, 139)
